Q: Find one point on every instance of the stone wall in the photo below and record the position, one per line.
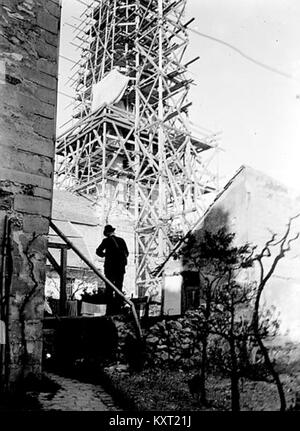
(254, 206)
(29, 37)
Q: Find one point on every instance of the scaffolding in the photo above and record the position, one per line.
(140, 150)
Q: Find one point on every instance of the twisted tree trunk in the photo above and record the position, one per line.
(235, 392)
(266, 356)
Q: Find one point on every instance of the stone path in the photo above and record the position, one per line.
(76, 396)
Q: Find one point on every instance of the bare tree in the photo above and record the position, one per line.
(283, 245)
(216, 260)
(228, 321)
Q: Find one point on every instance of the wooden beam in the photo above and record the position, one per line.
(100, 275)
(53, 262)
(57, 245)
(63, 280)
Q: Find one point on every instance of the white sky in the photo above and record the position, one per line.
(257, 110)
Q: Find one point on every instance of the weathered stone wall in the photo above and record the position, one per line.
(29, 37)
(269, 209)
(253, 207)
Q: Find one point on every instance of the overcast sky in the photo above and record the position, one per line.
(257, 110)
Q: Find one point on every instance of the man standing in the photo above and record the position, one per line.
(115, 251)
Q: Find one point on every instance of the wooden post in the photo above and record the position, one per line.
(63, 281)
(100, 275)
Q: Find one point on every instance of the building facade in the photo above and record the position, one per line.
(253, 206)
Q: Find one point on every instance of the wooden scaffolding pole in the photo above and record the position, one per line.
(99, 274)
(146, 138)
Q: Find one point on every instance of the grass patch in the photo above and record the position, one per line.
(163, 390)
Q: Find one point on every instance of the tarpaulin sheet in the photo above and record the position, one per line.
(109, 90)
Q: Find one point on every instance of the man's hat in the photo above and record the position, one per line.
(108, 229)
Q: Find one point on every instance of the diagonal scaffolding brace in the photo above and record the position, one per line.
(143, 142)
(99, 274)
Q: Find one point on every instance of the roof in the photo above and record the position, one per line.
(76, 217)
(73, 208)
(243, 170)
